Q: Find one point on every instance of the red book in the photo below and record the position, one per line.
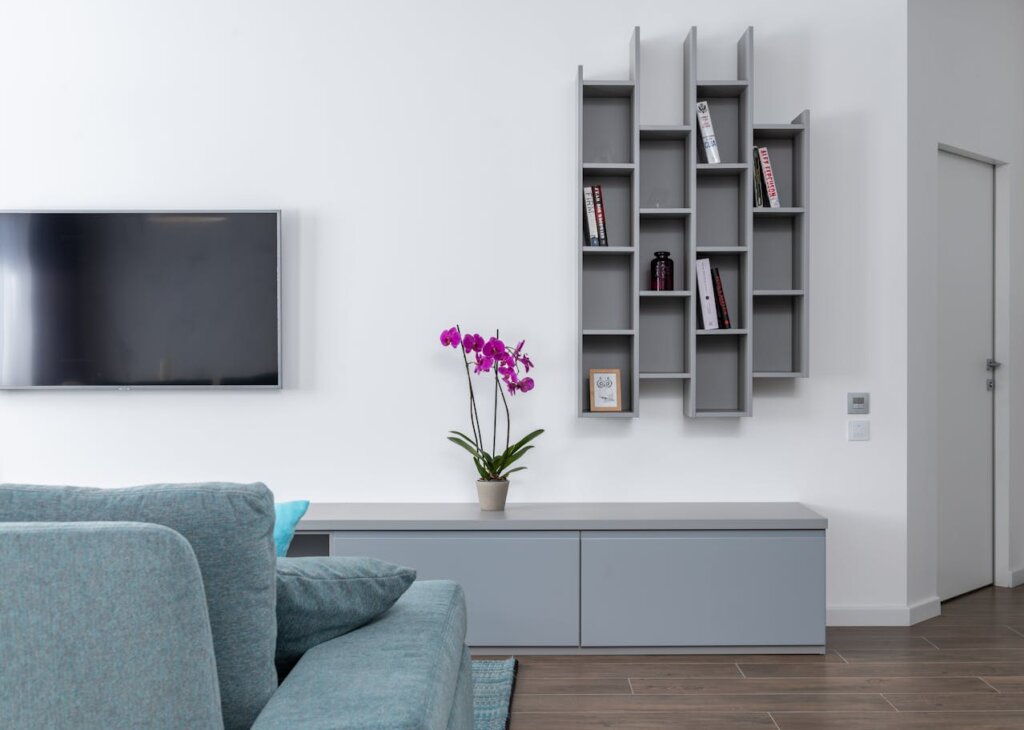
(769, 177)
(723, 308)
(602, 233)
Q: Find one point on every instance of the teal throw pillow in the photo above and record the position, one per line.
(288, 516)
(319, 599)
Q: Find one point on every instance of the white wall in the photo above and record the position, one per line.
(424, 157)
(966, 78)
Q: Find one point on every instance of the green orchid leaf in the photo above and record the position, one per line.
(468, 447)
(526, 439)
(510, 471)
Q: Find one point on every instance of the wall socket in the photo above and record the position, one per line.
(858, 431)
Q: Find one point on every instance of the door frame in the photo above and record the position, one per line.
(1002, 570)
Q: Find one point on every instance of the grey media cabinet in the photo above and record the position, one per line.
(602, 578)
(659, 196)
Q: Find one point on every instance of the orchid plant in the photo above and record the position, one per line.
(509, 366)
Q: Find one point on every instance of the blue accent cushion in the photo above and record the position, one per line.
(287, 517)
(319, 599)
(230, 528)
(403, 671)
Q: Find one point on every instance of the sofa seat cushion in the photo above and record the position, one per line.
(230, 528)
(399, 672)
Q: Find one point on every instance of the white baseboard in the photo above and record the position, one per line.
(883, 615)
(1016, 578)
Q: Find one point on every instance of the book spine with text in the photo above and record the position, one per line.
(707, 133)
(758, 181)
(588, 205)
(705, 288)
(602, 232)
(769, 178)
(722, 307)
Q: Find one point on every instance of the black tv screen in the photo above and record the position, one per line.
(141, 299)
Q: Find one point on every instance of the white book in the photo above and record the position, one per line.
(707, 133)
(588, 204)
(706, 291)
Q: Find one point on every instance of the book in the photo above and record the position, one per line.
(706, 292)
(722, 309)
(768, 177)
(707, 133)
(593, 239)
(758, 182)
(602, 232)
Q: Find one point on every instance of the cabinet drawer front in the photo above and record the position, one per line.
(522, 588)
(703, 588)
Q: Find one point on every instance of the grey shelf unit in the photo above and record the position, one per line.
(661, 196)
(781, 252)
(609, 155)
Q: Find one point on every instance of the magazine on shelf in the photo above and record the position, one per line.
(593, 238)
(706, 290)
(707, 133)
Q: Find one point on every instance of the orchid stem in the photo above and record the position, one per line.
(474, 419)
(494, 435)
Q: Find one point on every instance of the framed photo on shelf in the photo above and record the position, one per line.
(605, 390)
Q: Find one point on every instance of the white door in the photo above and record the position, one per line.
(966, 190)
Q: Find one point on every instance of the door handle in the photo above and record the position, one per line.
(992, 364)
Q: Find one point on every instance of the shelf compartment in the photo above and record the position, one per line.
(607, 126)
(664, 376)
(607, 88)
(619, 169)
(617, 195)
(607, 289)
(721, 168)
(606, 333)
(663, 173)
(721, 388)
(663, 234)
(727, 118)
(777, 254)
(664, 294)
(778, 292)
(768, 376)
(720, 211)
(608, 351)
(609, 250)
(663, 335)
(781, 152)
(777, 335)
(664, 212)
(723, 89)
(733, 270)
(664, 131)
(722, 249)
(777, 211)
(778, 131)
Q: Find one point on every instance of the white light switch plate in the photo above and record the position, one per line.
(858, 431)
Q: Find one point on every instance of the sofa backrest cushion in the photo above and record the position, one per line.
(230, 528)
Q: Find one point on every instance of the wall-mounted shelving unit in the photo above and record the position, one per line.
(660, 196)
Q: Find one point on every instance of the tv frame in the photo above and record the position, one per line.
(124, 388)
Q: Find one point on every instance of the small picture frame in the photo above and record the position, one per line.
(605, 390)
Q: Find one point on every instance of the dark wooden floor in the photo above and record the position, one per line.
(964, 669)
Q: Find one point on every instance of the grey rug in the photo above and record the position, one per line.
(493, 680)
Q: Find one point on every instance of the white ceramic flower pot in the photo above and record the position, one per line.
(492, 494)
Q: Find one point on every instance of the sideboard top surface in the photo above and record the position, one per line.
(327, 516)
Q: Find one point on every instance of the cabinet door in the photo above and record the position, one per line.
(703, 588)
(522, 588)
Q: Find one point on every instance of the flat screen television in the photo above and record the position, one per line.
(140, 300)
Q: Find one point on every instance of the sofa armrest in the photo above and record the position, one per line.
(103, 624)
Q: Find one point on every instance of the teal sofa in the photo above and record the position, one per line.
(154, 608)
